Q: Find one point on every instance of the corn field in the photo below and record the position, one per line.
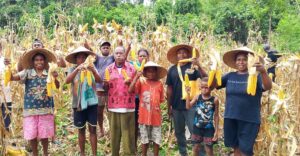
(280, 128)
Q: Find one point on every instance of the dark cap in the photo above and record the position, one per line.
(104, 42)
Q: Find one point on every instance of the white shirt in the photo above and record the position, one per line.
(5, 90)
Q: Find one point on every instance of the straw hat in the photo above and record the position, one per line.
(161, 71)
(172, 53)
(230, 56)
(72, 56)
(26, 59)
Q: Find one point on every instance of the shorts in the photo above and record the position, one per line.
(240, 134)
(150, 133)
(6, 114)
(203, 135)
(38, 126)
(88, 115)
(102, 98)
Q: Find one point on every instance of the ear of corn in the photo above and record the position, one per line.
(194, 55)
(142, 65)
(219, 77)
(133, 55)
(84, 28)
(186, 80)
(89, 78)
(211, 77)
(271, 75)
(82, 75)
(252, 82)
(10, 151)
(106, 75)
(7, 75)
(185, 60)
(136, 67)
(49, 89)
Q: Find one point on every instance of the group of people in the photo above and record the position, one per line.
(132, 92)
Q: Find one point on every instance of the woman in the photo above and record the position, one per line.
(242, 111)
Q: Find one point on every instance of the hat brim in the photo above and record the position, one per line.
(71, 58)
(161, 71)
(230, 56)
(27, 61)
(172, 53)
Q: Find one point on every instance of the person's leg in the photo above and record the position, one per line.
(100, 119)
(189, 116)
(115, 132)
(236, 151)
(156, 149)
(144, 149)
(209, 150)
(45, 143)
(231, 134)
(179, 125)
(34, 146)
(137, 103)
(196, 149)
(128, 133)
(81, 140)
(247, 135)
(93, 139)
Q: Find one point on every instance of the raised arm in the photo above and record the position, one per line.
(216, 119)
(135, 79)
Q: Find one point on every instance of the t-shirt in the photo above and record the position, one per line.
(151, 95)
(174, 81)
(240, 105)
(5, 89)
(101, 63)
(204, 114)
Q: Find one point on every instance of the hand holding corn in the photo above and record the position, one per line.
(215, 73)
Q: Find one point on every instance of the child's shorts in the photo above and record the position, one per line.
(38, 126)
(241, 134)
(88, 115)
(150, 133)
(203, 135)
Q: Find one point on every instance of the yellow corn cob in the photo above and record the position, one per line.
(249, 81)
(136, 67)
(49, 89)
(7, 75)
(253, 83)
(185, 60)
(281, 94)
(133, 55)
(194, 55)
(84, 28)
(219, 77)
(106, 76)
(82, 75)
(53, 85)
(89, 78)
(186, 80)
(271, 75)
(124, 74)
(142, 65)
(211, 77)
(10, 151)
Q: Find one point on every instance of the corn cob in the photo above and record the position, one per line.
(136, 67)
(126, 77)
(252, 82)
(49, 89)
(82, 75)
(281, 94)
(106, 76)
(89, 78)
(186, 80)
(194, 55)
(133, 55)
(219, 77)
(211, 77)
(10, 151)
(142, 65)
(7, 75)
(50, 86)
(185, 60)
(271, 75)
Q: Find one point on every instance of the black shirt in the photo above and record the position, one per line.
(174, 81)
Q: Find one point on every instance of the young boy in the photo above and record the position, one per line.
(151, 93)
(84, 97)
(206, 120)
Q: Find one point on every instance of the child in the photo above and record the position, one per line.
(206, 120)
(151, 93)
(85, 100)
(38, 122)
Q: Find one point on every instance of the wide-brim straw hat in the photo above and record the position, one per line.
(230, 56)
(161, 71)
(71, 58)
(27, 61)
(172, 53)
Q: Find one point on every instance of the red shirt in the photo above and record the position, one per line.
(151, 95)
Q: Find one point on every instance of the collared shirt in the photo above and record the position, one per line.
(101, 64)
(151, 95)
(119, 99)
(36, 101)
(5, 95)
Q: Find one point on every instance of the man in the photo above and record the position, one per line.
(121, 106)
(176, 103)
(5, 94)
(273, 57)
(101, 64)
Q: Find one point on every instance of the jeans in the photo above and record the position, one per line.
(181, 119)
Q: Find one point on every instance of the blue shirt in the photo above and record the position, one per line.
(101, 64)
(204, 114)
(239, 105)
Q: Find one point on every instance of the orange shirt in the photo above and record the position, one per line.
(151, 95)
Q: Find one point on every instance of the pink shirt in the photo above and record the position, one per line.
(118, 95)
